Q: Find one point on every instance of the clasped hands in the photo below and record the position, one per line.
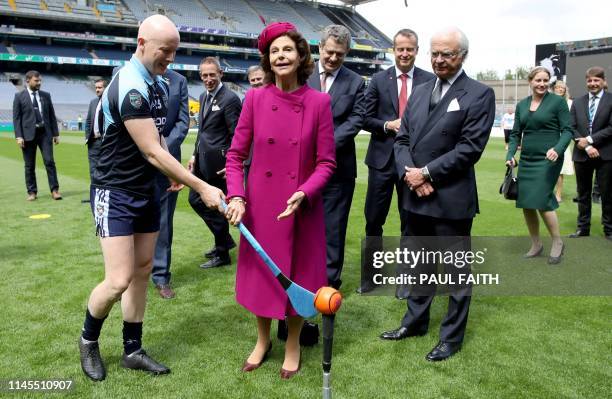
(583, 144)
(236, 208)
(415, 180)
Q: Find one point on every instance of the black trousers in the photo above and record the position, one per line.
(93, 154)
(584, 183)
(378, 198)
(45, 143)
(337, 199)
(216, 222)
(416, 318)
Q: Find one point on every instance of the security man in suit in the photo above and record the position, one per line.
(36, 126)
(93, 127)
(346, 89)
(386, 99)
(175, 130)
(443, 134)
(219, 112)
(592, 124)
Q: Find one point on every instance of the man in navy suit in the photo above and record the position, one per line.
(386, 99)
(36, 126)
(346, 89)
(93, 127)
(443, 134)
(219, 112)
(175, 130)
(592, 123)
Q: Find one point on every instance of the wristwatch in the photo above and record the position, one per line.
(425, 173)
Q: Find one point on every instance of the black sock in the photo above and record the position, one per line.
(92, 327)
(132, 337)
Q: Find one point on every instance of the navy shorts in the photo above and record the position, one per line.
(119, 213)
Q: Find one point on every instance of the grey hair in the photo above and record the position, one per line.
(254, 68)
(464, 43)
(340, 34)
(211, 60)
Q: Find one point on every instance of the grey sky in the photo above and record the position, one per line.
(502, 34)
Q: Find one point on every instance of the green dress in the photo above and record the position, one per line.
(542, 129)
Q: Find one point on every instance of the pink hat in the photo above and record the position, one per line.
(271, 32)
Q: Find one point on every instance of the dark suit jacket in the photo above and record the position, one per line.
(602, 126)
(348, 109)
(216, 131)
(177, 119)
(448, 143)
(89, 121)
(24, 120)
(382, 105)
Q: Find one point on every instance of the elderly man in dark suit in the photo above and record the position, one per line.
(175, 130)
(36, 126)
(386, 99)
(94, 127)
(346, 89)
(219, 112)
(443, 134)
(592, 124)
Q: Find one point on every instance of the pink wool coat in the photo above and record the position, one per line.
(292, 138)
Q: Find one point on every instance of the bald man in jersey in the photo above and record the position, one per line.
(123, 197)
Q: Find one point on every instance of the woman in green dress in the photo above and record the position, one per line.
(542, 128)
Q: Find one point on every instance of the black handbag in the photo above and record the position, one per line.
(509, 188)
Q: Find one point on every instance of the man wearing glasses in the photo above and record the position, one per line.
(443, 132)
(386, 98)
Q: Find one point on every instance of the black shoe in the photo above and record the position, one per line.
(91, 361)
(580, 233)
(211, 254)
(400, 333)
(443, 351)
(139, 360)
(309, 336)
(213, 251)
(365, 288)
(534, 254)
(609, 237)
(217, 261)
(335, 284)
(555, 260)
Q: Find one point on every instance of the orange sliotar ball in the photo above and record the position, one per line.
(328, 300)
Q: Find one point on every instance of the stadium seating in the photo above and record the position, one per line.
(68, 91)
(7, 94)
(36, 48)
(112, 53)
(240, 63)
(277, 11)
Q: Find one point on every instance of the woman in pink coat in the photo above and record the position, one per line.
(289, 128)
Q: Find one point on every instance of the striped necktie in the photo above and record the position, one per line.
(592, 111)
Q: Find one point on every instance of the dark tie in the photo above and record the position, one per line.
(324, 76)
(436, 96)
(37, 113)
(403, 97)
(209, 98)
